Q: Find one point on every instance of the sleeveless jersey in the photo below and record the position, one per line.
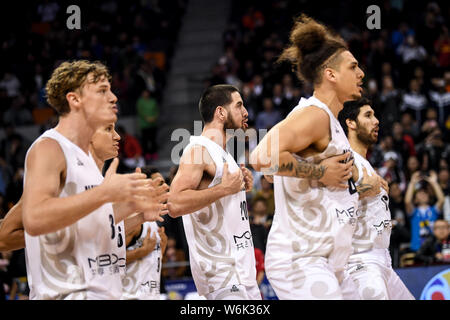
(80, 261)
(312, 221)
(143, 276)
(373, 228)
(220, 242)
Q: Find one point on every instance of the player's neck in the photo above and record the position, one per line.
(76, 131)
(215, 132)
(99, 162)
(358, 147)
(330, 98)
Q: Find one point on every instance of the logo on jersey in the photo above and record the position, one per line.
(89, 187)
(106, 262)
(79, 162)
(347, 215)
(234, 288)
(383, 225)
(243, 241)
(438, 288)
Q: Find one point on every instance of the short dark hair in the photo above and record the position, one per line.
(214, 96)
(149, 170)
(351, 111)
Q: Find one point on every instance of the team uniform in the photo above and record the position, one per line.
(220, 243)
(369, 266)
(83, 260)
(143, 276)
(311, 235)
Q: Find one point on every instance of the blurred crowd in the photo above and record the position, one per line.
(407, 78)
(407, 68)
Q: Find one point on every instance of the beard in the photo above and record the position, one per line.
(230, 123)
(364, 136)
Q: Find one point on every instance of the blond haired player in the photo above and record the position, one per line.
(68, 213)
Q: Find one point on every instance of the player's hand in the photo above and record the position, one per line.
(384, 185)
(232, 182)
(269, 178)
(370, 185)
(149, 243)
(248, 178)
(154, 204)
(124, 187)
(336, 172)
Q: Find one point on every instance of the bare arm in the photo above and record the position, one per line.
(11, 229)
(410, 192)
(273, 155)
(148, 245)
(184, 196)
(432, 180)
(45, 212)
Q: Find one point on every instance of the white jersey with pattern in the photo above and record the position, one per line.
(80, 261)
(143, 276)
(220, 242)
(310, 221)
(373, 229)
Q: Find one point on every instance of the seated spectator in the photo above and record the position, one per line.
(414, 101)
(148, 112)
(422, 214)
(267, 194)
(436, 248)
(269, 117)
(130, 151)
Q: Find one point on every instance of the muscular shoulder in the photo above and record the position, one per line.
(311, 115)
(196, 158)
(46, 151)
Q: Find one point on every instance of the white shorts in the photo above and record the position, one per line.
(236, 292)
(310, 279)
(372, 274)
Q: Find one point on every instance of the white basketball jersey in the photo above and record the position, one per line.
(312, 221)
(80, 261)
(143, 276)
(373, 229)
(220, 242)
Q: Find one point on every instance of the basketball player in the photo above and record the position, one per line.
(68, 215)
(315, 208)
(144, 257)
(369, 266)
(209, 192)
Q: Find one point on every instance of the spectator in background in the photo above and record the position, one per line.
(260, 270)
(266, 193)
(172, 269)
(414, 100)
(130, 151)
(400, 233)
(412, 165)
(269, 117)
(258, 220)
(418, 207)
(391, 170)
(147, 110)
(410, 125)
(402, 142)
(444, 183)
(436, 248)
(389, 102)
(11, 84)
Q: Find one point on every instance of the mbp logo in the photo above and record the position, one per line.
(243, 241)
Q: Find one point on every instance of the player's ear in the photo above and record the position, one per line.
(221, 113)
(73, 99)
(329, 74)
(351, 124)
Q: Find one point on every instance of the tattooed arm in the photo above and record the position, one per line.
(369, 186)
(296, 133)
